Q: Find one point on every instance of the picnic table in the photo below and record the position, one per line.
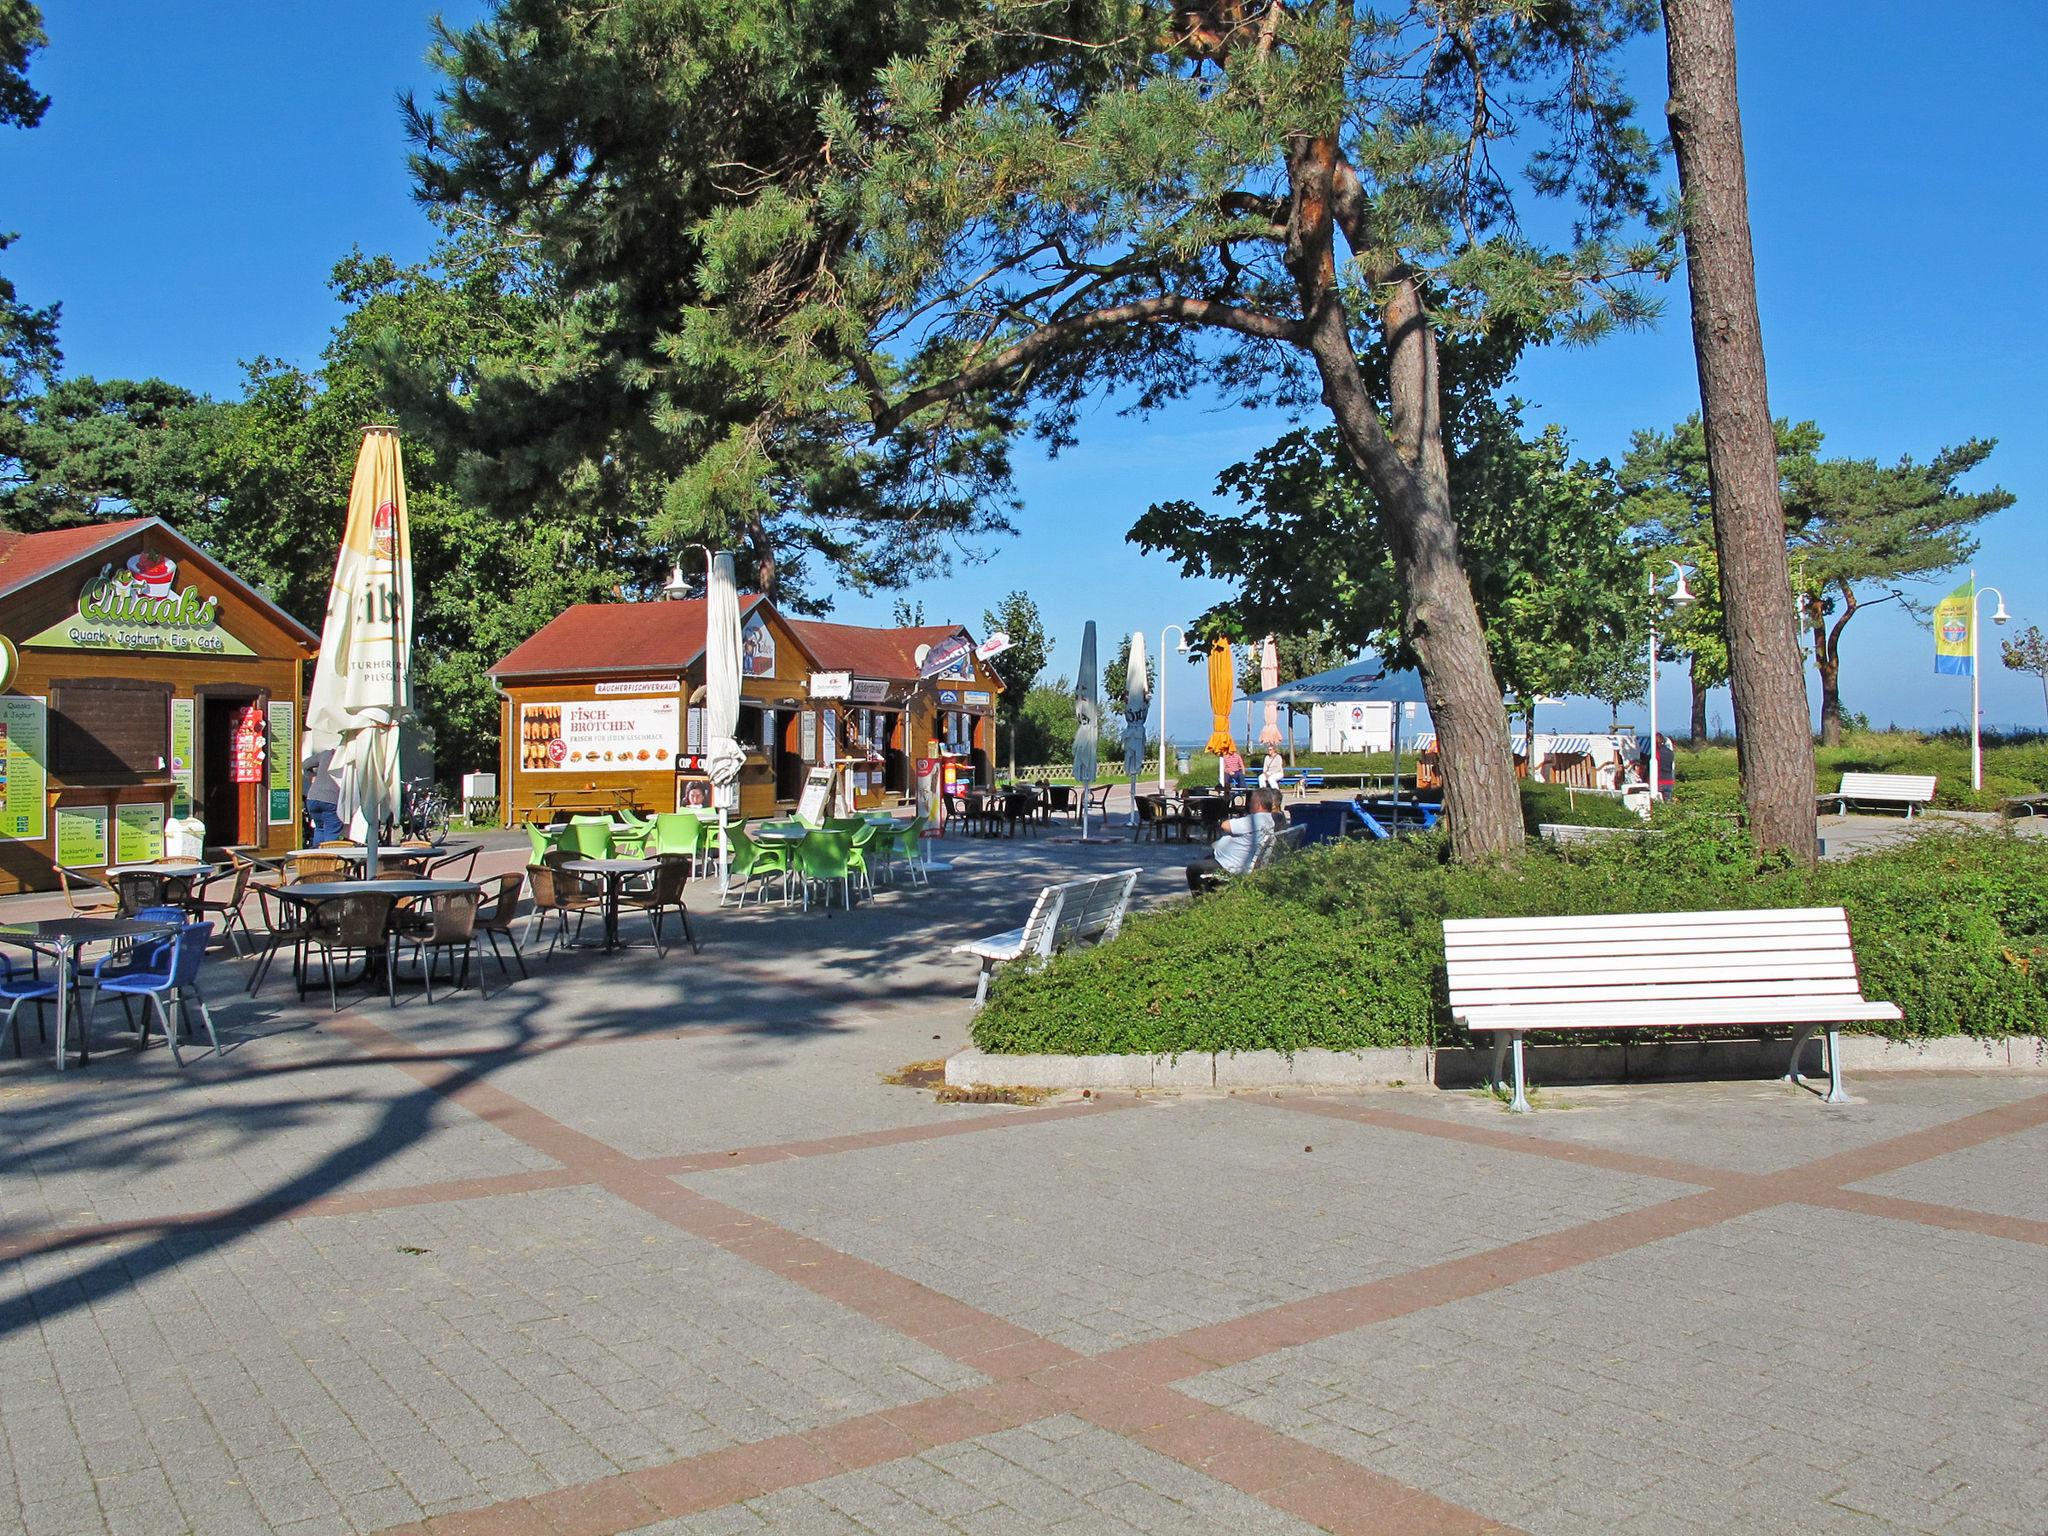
(550, 803)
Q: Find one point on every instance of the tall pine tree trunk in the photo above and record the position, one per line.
(1699, 706)
(1829, 666)
(1774, 742)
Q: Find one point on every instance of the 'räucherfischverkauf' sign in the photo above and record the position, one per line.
(139, 607)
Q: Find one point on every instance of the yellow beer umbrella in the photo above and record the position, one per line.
(1222, 691)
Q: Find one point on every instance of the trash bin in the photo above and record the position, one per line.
(184, 838)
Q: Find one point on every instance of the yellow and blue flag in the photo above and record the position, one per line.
(1955, 631)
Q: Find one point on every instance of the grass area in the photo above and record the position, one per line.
(1708, 776)
(1342, 947)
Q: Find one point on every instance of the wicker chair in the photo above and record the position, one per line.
(344, 926)
(666, 894)
(558, 895)
(321, 866)
(87, 895)
(286, 925)
(234, 922)
(449, 925)
(495, 922)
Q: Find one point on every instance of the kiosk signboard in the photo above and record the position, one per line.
(24, 776)
(82, 836)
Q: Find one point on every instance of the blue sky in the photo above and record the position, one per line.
(202, 167)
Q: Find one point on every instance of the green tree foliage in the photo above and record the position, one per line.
(2027, 651)
(1671, 509)
(1018, 667)
(648, 153)
(415, 344)
(82, 449)
(29, 357)
(1545, 543)
(1854, 525)
(21, 34)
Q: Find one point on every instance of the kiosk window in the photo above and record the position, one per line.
(110, 731)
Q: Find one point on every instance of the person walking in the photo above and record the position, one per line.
(323, 795)
(1233, 852)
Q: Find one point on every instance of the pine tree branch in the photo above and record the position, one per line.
(1048, 338)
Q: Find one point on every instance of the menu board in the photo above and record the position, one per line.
(138, 833)
(181, 757)
(600, 736)
(281, 760)
(817, 791)
(24, 779)
(82, 836)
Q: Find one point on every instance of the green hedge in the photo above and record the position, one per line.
(1342, 947)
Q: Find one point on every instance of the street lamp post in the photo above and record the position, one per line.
(1182, 647)
(1976, 682)
(1682, 595)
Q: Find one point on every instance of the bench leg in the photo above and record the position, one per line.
(1799, 1039)
(1497, 1079)
(1836, 1093)
(1520, 1104)
(981, 983)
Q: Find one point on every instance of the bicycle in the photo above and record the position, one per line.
(425, 812)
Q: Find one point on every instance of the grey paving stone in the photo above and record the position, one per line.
(1717, 1374)
(1130, 1226)
(2001, 1177)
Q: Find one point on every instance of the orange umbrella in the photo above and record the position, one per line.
(1222, 691)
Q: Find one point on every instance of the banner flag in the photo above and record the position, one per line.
(1955, 637)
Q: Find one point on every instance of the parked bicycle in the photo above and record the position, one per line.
(426, 811)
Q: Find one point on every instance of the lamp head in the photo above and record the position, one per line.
(675, 586)
(1683, 594)
(2001, 616)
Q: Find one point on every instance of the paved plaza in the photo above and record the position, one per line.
(649, 1245)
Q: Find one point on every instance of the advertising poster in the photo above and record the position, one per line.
(245, 765)
(757, 647)
(181, 757)
(24, 782)
(138, 834)
(281, 759)
(600, 735)
(82, 836)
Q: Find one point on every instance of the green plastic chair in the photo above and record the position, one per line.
(543, 844)
(590, 839)
(823, 857)
(865, 838)
(910, 850)
(750, 858)
(675, 832)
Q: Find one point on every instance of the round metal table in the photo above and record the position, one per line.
(613, 872)
(330, 890)
(64, 937)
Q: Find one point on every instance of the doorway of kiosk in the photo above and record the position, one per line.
(785, 754)
(231, 809)
(896, 765)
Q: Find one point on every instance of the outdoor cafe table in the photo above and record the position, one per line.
(64, 937)
(317, 891)
(781, 834)
(614, 873)
(393, 853)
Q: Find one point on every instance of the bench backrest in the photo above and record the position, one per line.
(1274, 844)
(1093, 911)
(1648, 958)
(1916, 787)
(1570, 832)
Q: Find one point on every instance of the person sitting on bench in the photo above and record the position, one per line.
(1233, 852)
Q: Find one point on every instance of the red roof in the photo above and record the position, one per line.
(664, 636)
(883, 653)
(26, 556)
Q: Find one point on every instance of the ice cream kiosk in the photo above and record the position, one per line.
(145, 685)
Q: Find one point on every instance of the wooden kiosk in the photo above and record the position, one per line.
(145, 682)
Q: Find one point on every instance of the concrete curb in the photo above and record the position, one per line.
(1566, 1062)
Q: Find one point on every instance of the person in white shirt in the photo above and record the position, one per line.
(1272, 770)
(1232, 853)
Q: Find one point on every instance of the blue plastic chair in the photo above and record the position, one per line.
(31, 988)
(171, 968)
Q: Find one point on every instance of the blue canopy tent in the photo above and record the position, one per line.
(1368, 677)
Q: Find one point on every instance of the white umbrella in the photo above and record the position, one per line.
(1137, 709)
(362, 690)
(1086, 716)
(724, 757)
(1269, 677)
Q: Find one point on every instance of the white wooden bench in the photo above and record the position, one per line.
(1572, 832)
(1907, 789)
(1657, 970)
(1073, 912)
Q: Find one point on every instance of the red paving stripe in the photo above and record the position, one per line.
(1528, 1143)
(1889, 1156)
(1956, 1218)
(257, 1212)
(860, 1141)
(957, 1330)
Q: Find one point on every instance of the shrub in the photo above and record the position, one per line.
(1560, 806)
(1342, 946)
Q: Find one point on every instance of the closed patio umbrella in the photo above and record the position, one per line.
(1137, 709)
(362, 690)
(1222, 690)
(1087, 716)
(1269, 677)
(723, 755)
